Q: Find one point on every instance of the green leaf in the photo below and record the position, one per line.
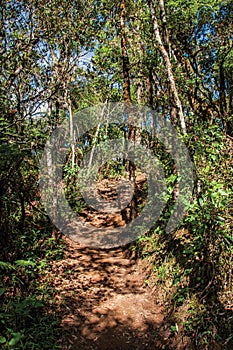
(16, 338)
(24, 263)
(2, 340)
(2, 291)
(200, 200)
(5, 265)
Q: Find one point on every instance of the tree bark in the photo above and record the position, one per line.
(128, 101)
(125, 57)
(164, 24)
(168, 66)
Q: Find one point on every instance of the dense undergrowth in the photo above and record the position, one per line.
(28, 316)
(193, 266)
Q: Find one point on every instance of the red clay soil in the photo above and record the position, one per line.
(104, 301)
(102, 295)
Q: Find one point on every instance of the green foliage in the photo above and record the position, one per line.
(113, 169)
(193, 265)
(26, 325)
(41, 82)
(28, 313)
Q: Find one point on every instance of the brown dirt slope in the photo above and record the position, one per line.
(104, 301)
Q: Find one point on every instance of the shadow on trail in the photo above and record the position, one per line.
(103, 301)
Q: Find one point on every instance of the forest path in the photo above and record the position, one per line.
(104, 301)
(102, 295)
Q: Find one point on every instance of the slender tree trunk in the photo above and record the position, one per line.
(168, 66)
(222, 95)
(72, 136)
(94, 142)
(127, 100)
(164, 24)
(125, 57)
(149, 88)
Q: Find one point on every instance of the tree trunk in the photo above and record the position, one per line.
(128, 101)
(164, 24)
(125, 57)
(222, 95)
(72, 135)
(168, 66)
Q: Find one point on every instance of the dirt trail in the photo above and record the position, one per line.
(102, 295)
(104, 301)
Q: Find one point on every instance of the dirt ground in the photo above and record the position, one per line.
(105, 302)
(103, 296)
